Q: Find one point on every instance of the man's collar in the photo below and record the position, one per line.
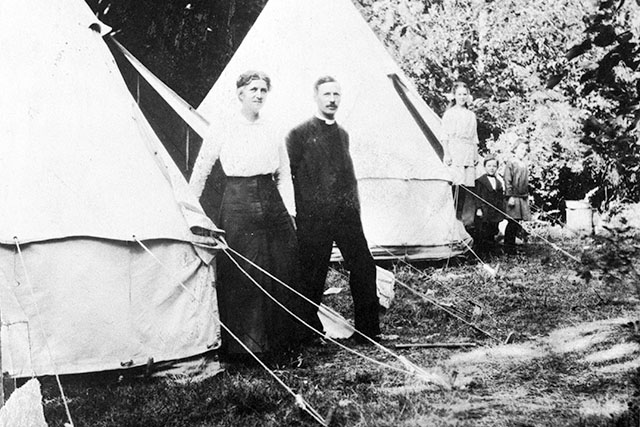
(324, 119)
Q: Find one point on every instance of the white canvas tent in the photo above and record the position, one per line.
(405, 191)
(83, 179)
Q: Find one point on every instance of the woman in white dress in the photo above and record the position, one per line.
(460, 143)
(255, 212)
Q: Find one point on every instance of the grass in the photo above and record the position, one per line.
(562, 368)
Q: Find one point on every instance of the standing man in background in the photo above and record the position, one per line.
(328, 208)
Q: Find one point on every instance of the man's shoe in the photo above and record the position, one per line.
(364, 340)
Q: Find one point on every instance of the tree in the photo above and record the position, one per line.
(505, 50)
(186, 43)
(610, 89)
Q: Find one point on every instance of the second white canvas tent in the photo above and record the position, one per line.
(88, 194)
(405, 191)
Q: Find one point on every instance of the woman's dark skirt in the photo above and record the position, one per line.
(258, 226)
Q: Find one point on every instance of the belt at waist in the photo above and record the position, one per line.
(258, 178)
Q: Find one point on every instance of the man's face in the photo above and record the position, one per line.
(328, 99)
(253, 96)
(491, 167)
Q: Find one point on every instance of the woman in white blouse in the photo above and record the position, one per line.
(255, 212)
(460, 143)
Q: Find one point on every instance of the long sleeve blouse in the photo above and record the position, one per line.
(460, 136)
(245, 148)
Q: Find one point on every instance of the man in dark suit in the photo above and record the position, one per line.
(489, 205)
(328, 208)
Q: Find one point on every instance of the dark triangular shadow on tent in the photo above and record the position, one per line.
(401, 89)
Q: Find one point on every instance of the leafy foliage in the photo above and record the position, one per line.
(505, 50)
(187, 43)
(610, 89)
(561, 73)
(614, 256)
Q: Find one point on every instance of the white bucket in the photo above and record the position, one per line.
(579, 216)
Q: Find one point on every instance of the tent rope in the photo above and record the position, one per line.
(299, 399)
(486, 267)
(445, 309)
(441, 307)
(414, 368)
(422, 273)
(484, 264)
(539, 210)
(553, 245)
(303, 404)
(44, 335)
(455, 201)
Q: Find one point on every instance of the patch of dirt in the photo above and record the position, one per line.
(539, 376)
(617, 352)
(582, 337)
(504, 354)
(618, 368)
(607, 407)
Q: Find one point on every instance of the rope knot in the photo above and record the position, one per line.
(300, 403)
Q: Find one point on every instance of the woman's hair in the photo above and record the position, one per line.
(518, 142)
(251, 75)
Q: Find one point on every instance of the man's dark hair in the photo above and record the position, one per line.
(323, 80)
(490, 158)
(251, 75)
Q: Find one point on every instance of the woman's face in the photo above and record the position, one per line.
(521, 151)
(462, 96)
(253, 96)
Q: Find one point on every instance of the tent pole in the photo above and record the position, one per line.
(1, 372)
(138, 89)
(186, 156)
(428, 133)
